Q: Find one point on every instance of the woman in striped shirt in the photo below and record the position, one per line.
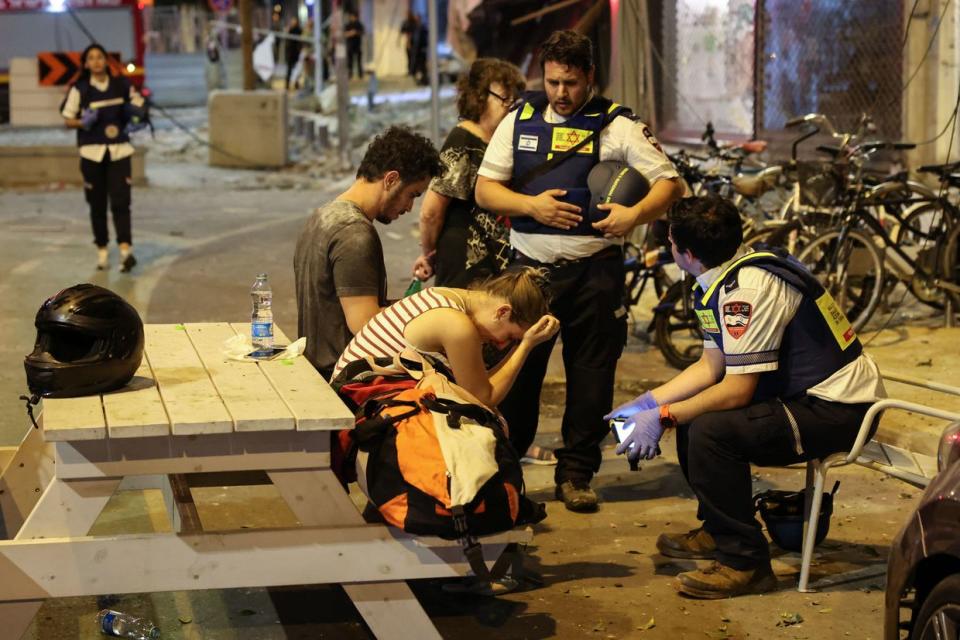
(452, 325)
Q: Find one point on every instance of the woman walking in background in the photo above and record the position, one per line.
(459, 241)
(101, 106)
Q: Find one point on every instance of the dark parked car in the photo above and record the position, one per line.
(923, 575)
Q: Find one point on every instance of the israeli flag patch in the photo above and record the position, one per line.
(528, 142)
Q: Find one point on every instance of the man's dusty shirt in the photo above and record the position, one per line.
(338, 254)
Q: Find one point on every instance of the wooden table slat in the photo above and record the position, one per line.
(137, 411)
(245, 390)
(313, 403)
(192, 402)
(73, 419)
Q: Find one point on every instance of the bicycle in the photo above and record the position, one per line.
(858, 261)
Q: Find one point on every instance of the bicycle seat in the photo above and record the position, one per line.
(889, 146)
(754, 146)
(753, 186)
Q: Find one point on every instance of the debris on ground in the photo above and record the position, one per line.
(789, 619)
(649, 624)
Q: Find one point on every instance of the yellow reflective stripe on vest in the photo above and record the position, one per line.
(733, 265)
(615, 105)
(527, 112)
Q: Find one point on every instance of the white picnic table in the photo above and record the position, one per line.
(188, 411)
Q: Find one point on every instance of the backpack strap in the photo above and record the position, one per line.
(373, 425)
(473, 551)
(456, 411)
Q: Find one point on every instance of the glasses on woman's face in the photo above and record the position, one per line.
(505, 101)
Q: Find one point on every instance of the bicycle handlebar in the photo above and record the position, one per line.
(940, 169)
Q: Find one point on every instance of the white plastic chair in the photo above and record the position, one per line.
(817, 469)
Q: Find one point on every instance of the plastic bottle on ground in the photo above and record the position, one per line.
(121, 625)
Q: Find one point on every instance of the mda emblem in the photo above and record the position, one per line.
(736, 318)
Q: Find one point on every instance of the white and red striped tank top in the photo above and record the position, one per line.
(382, 336)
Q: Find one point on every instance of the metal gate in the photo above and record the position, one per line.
(837, 57)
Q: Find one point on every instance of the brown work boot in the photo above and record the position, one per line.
(577, 496)
(696, 543)
(720, 581)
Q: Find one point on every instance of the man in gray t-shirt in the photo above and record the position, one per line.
(339, 269)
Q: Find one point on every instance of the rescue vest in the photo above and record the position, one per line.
(817, 342)
(535, 141)
(109, 105)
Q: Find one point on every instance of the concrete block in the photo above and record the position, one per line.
(248, 128)
(32, 105)
(21, 166)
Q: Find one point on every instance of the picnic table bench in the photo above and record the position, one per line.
(188, 413)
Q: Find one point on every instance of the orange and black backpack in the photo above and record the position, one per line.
(433, 462)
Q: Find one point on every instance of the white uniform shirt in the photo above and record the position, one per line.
(95, 152)
(623, 139)
(752, 320)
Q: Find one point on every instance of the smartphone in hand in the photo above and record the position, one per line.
(620, 430)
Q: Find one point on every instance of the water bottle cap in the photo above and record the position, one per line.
(261, 276)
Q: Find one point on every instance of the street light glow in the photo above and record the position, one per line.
(57, 6)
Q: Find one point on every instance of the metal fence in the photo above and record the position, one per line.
(835, 57)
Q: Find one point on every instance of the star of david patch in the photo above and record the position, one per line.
(736, 318)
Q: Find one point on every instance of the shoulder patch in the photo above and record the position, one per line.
(651, 138)
(736, 318)
(732, 283)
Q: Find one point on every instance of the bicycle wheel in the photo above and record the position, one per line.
(676, 329)
(922, 235)
(850, 267)
(950, 267)
(789, 236)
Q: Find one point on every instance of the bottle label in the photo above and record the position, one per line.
(106, 623)
(261, 329)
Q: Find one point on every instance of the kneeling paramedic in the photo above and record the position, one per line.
(783, 379)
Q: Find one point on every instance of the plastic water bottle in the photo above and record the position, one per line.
(261, 323)
(416, 286)
(122, 625)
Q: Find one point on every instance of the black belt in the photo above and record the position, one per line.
(613, 251)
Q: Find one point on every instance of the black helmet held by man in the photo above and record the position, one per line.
(614, 182)
(89, 341)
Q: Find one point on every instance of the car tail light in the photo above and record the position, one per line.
(949, 451)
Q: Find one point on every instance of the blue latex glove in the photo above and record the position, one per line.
(133, 112)
(134, 126)
(627, 409)
(88, 118)
(643, 441)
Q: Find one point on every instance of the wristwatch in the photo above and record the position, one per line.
(667, 421)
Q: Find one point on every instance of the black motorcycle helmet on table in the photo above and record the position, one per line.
(89, 341)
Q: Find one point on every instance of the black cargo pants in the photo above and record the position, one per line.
(103, 180)
(716, 450)
(588, 302)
